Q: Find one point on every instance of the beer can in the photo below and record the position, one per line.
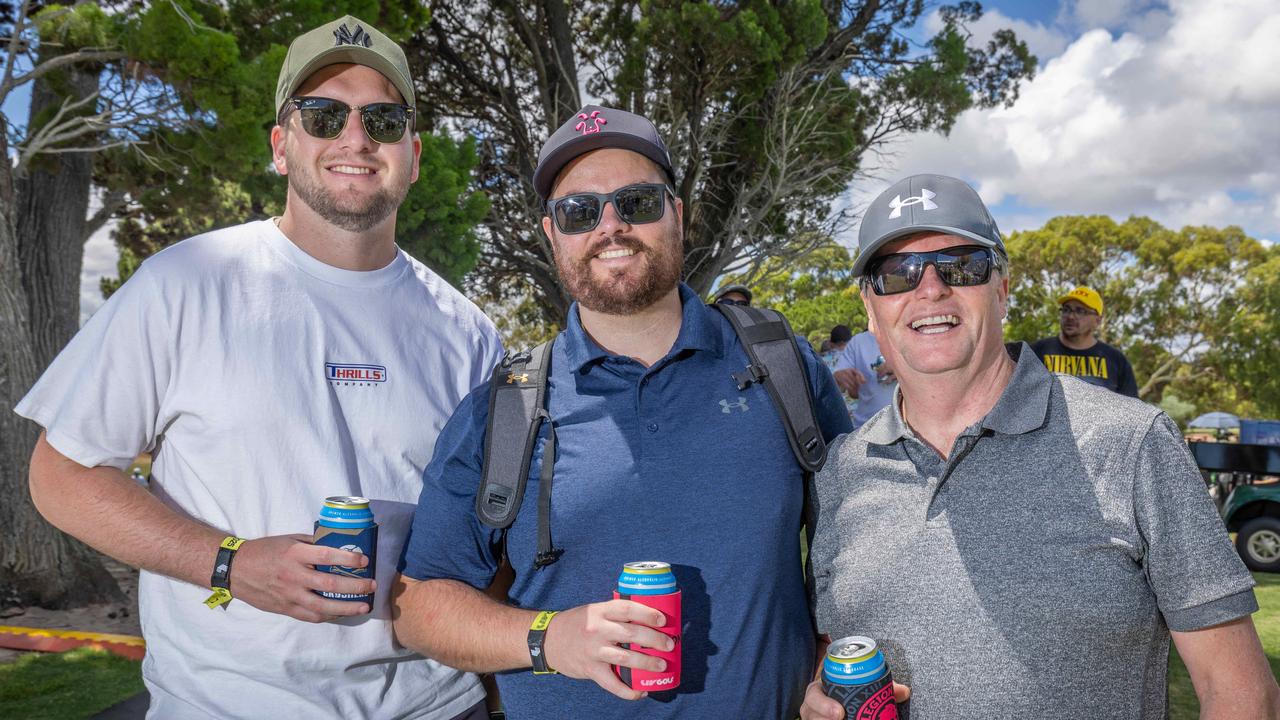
(856, 675)
(347, 523)
(652, 583)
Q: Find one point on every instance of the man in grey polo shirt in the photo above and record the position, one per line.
(1020, 544)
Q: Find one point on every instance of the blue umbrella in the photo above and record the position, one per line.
(1215, 420)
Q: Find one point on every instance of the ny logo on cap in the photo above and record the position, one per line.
(588, 124)
(343, 36)
(925, 200)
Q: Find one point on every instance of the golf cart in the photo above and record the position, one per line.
(1244, 479)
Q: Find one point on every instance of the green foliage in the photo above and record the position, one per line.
(768, 109)
(1189, 308)
(1249, 356)
(816, 293)
(437, 220)
(64, 686)
(222, 62)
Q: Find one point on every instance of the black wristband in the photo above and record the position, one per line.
(537, 632)
(222, 565)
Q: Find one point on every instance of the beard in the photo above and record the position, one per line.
(350, 214)
(624, 291)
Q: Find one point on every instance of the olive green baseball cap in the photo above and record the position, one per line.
(345, 40)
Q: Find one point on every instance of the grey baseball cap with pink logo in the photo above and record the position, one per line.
(925, 203)
(595, 127)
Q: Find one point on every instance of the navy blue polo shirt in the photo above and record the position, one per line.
(672, 463)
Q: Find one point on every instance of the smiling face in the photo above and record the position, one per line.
(936, 328)
(616, 268)
(350, 181)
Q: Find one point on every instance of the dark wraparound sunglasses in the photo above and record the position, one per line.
(962, 266)
(635, 205)
(325, 118)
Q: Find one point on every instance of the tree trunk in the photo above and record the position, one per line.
(52, 213)
(42, 224)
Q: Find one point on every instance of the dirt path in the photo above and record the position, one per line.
(116, 618)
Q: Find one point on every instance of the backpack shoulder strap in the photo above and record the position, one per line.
(776, 362)
(517, 408)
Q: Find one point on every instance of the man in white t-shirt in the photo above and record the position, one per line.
(267, 366)
(862, 373)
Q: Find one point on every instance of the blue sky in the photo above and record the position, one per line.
(1164, 109)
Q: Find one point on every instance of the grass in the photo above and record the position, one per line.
(1182, 698)
(66, 686)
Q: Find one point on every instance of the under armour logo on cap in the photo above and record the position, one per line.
(344, 36)
(925, 201)
(590, 123)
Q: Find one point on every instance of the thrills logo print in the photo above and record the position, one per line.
(343, 374)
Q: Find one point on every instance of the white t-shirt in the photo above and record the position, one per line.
(873, 395)
(263, 381)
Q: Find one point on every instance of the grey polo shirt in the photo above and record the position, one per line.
(1036, 571)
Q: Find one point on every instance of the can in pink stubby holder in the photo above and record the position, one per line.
(652, 584)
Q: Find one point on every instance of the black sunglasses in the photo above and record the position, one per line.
(961, 266)
(635, 205)
(325, 118)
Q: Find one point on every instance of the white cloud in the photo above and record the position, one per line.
(100, 258)
(1183, 126)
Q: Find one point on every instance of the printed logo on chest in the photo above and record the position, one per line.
(350, 374)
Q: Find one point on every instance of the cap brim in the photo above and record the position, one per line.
(355, 55)
(864, 257)
(548, 169)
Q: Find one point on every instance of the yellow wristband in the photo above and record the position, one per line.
(219, 598)
(538, 631)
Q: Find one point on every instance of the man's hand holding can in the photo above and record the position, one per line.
(586, 642)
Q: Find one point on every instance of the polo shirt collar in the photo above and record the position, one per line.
(698, 331)
(1022, 407)
(1024, 404)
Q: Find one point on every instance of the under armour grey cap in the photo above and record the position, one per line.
(921, 204)
(593, 128)
(345, 40)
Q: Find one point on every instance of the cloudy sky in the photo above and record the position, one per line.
(1165, 109)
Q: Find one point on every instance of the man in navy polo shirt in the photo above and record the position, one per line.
(660, 457)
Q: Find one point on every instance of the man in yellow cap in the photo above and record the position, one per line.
(1077, 351)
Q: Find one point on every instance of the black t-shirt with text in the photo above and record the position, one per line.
(1101, 364)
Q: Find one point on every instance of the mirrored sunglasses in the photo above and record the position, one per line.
(962, 266)
(325, 118)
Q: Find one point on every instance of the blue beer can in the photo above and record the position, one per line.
(856, 675)
(347, 523)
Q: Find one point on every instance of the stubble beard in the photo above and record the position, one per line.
(624, 291)
(350, 215)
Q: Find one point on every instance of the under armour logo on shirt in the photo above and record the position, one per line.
(344, 36)
(925, 201)
(726, 407)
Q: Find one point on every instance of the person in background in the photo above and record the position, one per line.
(1077, 351)
(831, 351)
(733, 295)
(863, 374)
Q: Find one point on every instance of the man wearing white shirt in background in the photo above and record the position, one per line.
(862, 373)
(267, 366)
